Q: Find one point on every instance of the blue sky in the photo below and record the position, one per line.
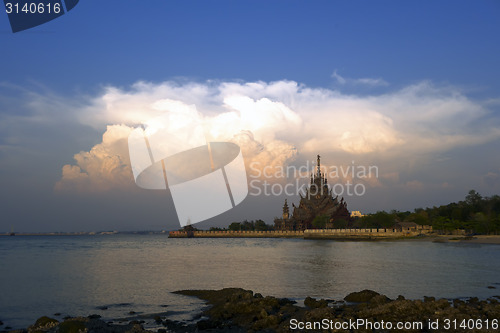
(383, 62)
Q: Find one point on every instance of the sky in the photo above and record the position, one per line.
(410, 88)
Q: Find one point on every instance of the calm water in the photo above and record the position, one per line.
(74, 275)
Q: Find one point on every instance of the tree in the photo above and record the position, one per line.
(340, 224)
(320, 221)
(474, 200)
(235, 226)
(260, 225)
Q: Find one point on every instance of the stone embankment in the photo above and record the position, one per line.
(357, 234)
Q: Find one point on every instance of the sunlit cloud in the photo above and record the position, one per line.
(274, 122)
(106, 166)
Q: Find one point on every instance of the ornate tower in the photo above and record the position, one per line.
(286, 211)
(318, 174)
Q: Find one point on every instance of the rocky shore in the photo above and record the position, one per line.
(239, 310)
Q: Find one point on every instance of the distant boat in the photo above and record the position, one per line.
(12, 233)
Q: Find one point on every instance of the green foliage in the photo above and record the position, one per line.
(340, 224)
(476, 214)
(320, 221)
(216, 229)
(258, 225)
(234, 226)
(422, 217)
(380, 219)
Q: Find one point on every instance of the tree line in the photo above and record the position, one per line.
(476, 214)
(257, 225)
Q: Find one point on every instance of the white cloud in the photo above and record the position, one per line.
(274, 121)
(106, 166)
(363, 81)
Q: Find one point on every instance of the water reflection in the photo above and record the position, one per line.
(76, 275)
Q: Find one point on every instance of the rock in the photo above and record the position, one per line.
(176, 326)
(473, 300)
(363, 296)
(157, 319)
(313, 303)
(237, 309)
(379, 299)
(1, 323)
(429, 299)
(94, 316)
(43, 323)
(72, 326)
(492, 287)
(206, 325)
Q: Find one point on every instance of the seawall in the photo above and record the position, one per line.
(360, 234)
(238, 234)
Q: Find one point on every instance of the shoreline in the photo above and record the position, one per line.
(240, 310)
(429, 237)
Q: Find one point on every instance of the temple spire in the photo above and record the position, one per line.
(319, 170)
(285, 211)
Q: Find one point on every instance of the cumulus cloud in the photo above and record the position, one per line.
(106, 166)
(274, 121)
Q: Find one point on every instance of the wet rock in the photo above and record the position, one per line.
(43, 323)
(492, 287)
(313, 303)
(363, 296)
(72, 326)
(473, 300)
(493, 300)
(238, 309)
(94, 316)
(206, 325)
(176, 326)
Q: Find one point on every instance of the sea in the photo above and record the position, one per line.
(122, 276)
